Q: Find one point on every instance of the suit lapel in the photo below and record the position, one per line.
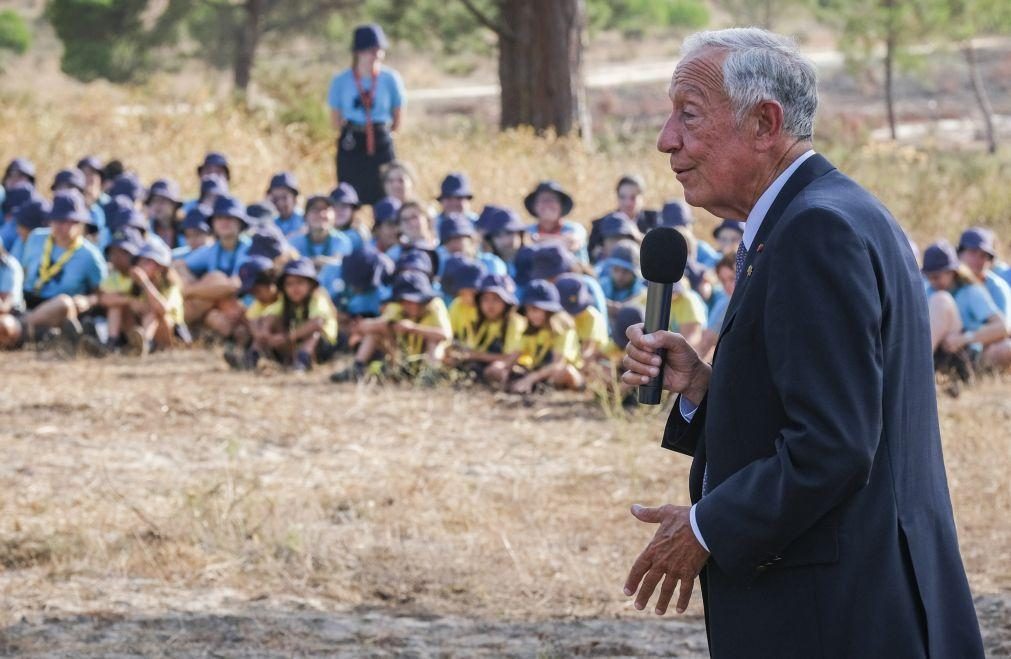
(813, 168)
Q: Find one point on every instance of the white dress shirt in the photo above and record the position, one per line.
(751, 227)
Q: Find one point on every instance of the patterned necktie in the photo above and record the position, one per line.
(742, 252)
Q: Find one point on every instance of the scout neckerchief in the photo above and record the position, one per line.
(368, 97)
(48, 269)
(486, 334)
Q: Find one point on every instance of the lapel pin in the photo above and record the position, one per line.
(750, 267)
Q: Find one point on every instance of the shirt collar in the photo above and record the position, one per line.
(764, 203)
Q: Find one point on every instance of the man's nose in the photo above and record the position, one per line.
(669, 139)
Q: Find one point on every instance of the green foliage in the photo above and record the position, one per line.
(763, 13)
(639, 15)
(865, 25)
(15, 35)
(965, 19)
(444, 24)
(101, 38)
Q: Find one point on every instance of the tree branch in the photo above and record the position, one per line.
(502, 31)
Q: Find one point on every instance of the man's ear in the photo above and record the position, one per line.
(768, 126)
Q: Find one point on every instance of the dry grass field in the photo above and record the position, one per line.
(170, 506)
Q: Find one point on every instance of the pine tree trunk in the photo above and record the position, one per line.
(982, 98)
(246, 43)
(890, 39)
(540, 65)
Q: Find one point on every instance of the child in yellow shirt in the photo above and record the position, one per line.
(591, 326)
(497, 324)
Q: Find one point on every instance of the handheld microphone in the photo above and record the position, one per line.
(663, 255)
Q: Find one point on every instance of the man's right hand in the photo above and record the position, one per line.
(684, 371)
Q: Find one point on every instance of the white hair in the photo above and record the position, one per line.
(763, 66)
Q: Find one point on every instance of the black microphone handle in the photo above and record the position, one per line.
(658, 297)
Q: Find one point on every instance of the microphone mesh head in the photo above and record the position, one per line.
(663, 255)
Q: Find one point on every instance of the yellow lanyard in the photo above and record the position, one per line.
(486, 334)
(48, 269)
(543, 348)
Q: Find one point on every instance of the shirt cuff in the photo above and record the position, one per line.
(695, 528)
(687, 408)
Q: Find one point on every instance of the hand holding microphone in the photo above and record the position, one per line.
(655, 358)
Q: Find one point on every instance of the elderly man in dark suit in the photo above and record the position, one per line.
(821, 524)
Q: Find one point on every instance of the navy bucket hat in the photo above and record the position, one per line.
(166, 189)
(551, 260)
(33, 215)
(214, 159)
(229, 206)
(69, 178)
(499, 219)
(302, 267)
(127, 185)
(549, 186)
(90, 162)
(412, 286)
(268, 240)
(157, 252)
(346, 194)
(676, 214)
(456, 184)
(17, 196)
(214, 185)
(127, 240)
(127, 217)
(284, 180)
(978, 238)
(617, 225)
(500, 285)
(22, 166)
(262, 212)
(461, 273)
(574, 294)
(939, 257)
(543, 295)
(626, 255)
(366, 268)
(455, 226)
(255, 270)
(733, 225)
(367, 37)
(69, 206)
(196, 220)
(385, 210)
(417, 259)
(628, 315)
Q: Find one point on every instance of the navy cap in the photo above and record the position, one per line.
(268, 240)
(33, 215)
(115, 206)
(302, 267)
(367, 37)
(625, 255)
(413, 286)
(978, 238)
(90, 162)
(574, 294)
(551, 260)
(127, 185)
(126, 239)
(453, 226)
(316, 199)
(499, 220)
(501, 285)
(23, 166)
(197, 220)
(385, 210)
(416, 259)
(255, 270)
(456, 184)
(261, 212)
(549, 186)
(69, 206)
(73, 178)
(345, 193)
(127, 216)
(628, 315)
(166, 189)
(214, 159)
(676, 214)
(461, 272)
(157, 252)
(283, 180)
(229, 206)
(365, 268)
(733, 225)
(17, 196)
(939, 257)
(213, 185)
(543, 295)
(618, 225)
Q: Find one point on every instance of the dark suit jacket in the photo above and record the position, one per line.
(828, 514)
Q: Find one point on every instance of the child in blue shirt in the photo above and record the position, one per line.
(454, 197)
(346, 204)
(321, 242)
(283, 193)
(549, 204)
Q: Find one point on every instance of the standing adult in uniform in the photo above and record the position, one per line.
(365, 105)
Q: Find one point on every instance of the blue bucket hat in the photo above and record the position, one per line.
(23, 166)
(213, 185)
(90, 162)
(268, 240)
(618, 225)
(574, 294)
(733, 225)
(417, 259)
(166, 189)
(229, 206)
(127, 216)
(127, 240)
(523, 265)
(939, 257)
(69, 206)
(456, 184)
(315, 199)
(385, 210)
(549, 186)
(366, 268)
(628, 315)
(626, 255)
(367, 37)
(978, 238)
(455, 226)
(73, 178)
(262, 212)
(302, 267)
(551, 260)
(255, 270)
(461, 272)
(501, 285)
(17, 196)
(283, 180)
(676, 213)
(543, 295)
(196, 220)
(214, 159)
(127, 185)
(412, 286)
(346, 194)
(157, 252)
(33, 215)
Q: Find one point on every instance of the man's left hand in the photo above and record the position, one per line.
(673, 555)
